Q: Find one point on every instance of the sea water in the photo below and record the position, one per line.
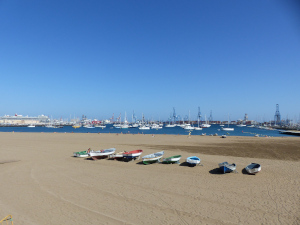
(213, 130)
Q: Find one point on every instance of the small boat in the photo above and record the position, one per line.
(100, 154)
(81, 154)
(31, 126)
(144, 127)
(152, 158)
(226, 167)
(227, 128)
(253, 168)
(132, 155)
(117, 156)
(172, 159)
(224, 136)
(198, 128)
(193, 160)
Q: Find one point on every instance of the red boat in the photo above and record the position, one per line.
(132, 154)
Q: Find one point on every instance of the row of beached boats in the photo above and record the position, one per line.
(110, 153)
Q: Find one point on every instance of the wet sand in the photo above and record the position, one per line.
(42, 183)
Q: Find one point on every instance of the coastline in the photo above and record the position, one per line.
(44, 184)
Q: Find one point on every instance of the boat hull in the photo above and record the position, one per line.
(132, 154)
(193, 161)
(151, 160)
(82, 154)
(225, 167)
(253, 168)
(173, 159)
(102, 153)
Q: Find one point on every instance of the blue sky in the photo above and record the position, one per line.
(68, 58)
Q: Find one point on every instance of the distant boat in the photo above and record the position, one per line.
(227, 128)
(188, 127)
(170, 125)
(100, 154)
(224, 136)
(226, 167)
(89, 126)
(153, 158)
(198, 128)
(144, 127)
(76, 126)
(100, 126)
(253, 168)
(172, 159)
(193, 160)
(156, 126)
(31, 126)
(205, 125)
(132, 155)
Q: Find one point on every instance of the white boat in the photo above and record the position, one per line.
(172, 159)
(152, 158)
(205, 125)
(188, 127)
(253, 168)
(198, 128)
(170, 125)
(82, 154)
(131, 155)
(31, 126)
(101, 153)
(227, 128)
(100, 126)
(144, 127)
(241, 125)
(193, 160)
(89, 126)
(118, 155)
(155, 126)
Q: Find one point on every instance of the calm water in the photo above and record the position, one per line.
(238, 131)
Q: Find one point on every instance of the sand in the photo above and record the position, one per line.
(42, 183)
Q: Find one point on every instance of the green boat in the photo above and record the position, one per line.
(81, 154)
(152, 158)
(172, 159)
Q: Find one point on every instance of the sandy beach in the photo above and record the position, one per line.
(42, 183)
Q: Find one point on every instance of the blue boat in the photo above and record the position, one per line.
(226, 167)
(193, 160)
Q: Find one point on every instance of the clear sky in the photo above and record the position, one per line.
(93, 57)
